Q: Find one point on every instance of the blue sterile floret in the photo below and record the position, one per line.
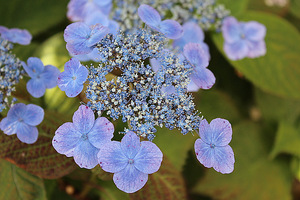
(10, 73)
(83, 138)
(131, 161)
(16, 35)
(21, 120)
(136, 95)
(42, 77)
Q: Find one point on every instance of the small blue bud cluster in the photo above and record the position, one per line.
(10, 73)
(207, 13)
(137, 94)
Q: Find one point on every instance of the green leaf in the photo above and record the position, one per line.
(107, 190)
(216, 104)
(274, 108)
(35, 16)
(167, 183)
(255, 176)
(295, 166)
(40, 158)
(295, 7)
(174, 145)
(278, 71)
(236, 8)
(287, 140)
(17, 184)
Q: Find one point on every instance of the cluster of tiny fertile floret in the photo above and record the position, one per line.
(137, 94)
(10, 73)
(207, 13)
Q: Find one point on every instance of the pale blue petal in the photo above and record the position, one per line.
(205, 154)
(196, 55)
(97, 18)
(224, 159)
(257, 49)
(17, 111)
(36, 87)
(254, 31)
(149, 15)
(113, 27)
(111, 157)
(130, 179)
(26, 133)
(155, 64)
(236, 51)
(85, 155)
(83, 119)
(101, 133)
(66, 139)
(221, 131)
(98, 32)
(79, 47)
(50, 75)
(149, 158)
(168, 90)
(205, 132)
(16, 35)
(130, 144)
(171, 29)
(74, 89)
(231, 30)
(102, 2)
(192, 33)
(3, 29)
(203, 77)
(9, 126)
(34, 67)
(33, 115)
(192, 87)
(75, 11)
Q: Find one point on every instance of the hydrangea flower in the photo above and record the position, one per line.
(131, 161)
(83, 138)
(192, 33)
(78, 10)
(16, 35)
(42, 77)
(21, 120)
(243, 39)
(81, 38)
(170, 28)
(212, 147)
(198, 58)
(72, 79)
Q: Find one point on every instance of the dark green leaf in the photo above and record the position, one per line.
(237, 7)
(17, 184)
(278, 71)
(255, 176)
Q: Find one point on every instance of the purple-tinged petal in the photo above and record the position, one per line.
(203, 77)
(66, 139)
(155, 64)
(205, 154)
(192, 87)
(150, 16)
(50, 75)
(75, 10)
(257, 49)
(130, 179)
(83, 119)
(113, 27)
(254, 31)
(101, 133)
(111, 157)
(102, 2)
(130, 144)
(192, 33)
(221, 132)
(196, 55)
(26, 133)
(33, 115)
(79, 47)
(34, 67)
(36, 87)
(16, 35)
(168, 90)
(237, 50)
(98, 32)
(85, 155)
(224, 159)
(97, 18)
(9, 126)
(149, 158)
(205, 132)
(3, 29)
(231, 30)
(171, 29)
(17, 111)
